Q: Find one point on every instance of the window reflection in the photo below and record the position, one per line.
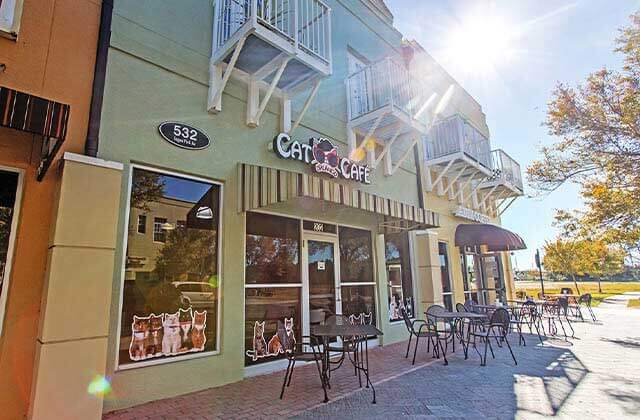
(8, 190)
(356, 262)
(399, 279)
(170, 291)
(359, 301)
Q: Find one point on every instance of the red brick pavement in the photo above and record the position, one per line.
(259, 396)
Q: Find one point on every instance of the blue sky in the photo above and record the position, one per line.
(545, 42)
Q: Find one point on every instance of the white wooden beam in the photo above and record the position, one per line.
(444, 171)
(453, 181)
(270, 67)
(216, 86)
(489, 194)
(387, 146)
(507, 206)
(473, 191)
(404, 155)
(253, 119)
(285, 114)
(306, 105)
(466, 184)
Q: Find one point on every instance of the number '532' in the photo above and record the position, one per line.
(184, 132)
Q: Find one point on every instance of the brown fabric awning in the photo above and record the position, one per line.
(494, 237)
(25, 112)
(261, 186)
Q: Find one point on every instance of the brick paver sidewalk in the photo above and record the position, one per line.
(595, 375)
(258, 397)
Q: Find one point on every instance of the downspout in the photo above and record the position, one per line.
(100, 70)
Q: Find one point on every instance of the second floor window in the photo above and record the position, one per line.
(159, 234)
(142, 223)
(10, 11)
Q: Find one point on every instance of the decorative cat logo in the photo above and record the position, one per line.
(154, 340)
(326, 157)
(186, 322)
(139, 335)
(290, 342)
(259, 343)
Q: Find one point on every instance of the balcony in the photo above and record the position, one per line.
(458, 153)
(280, 47)
(385, 113)
(505, 183)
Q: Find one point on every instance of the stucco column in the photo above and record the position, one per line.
(428, 269)
(71, 347)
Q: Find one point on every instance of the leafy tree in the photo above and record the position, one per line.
(146, 187)
(190, 252)
(598, 126)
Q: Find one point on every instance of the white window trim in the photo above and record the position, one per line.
(154, 231)
(12, 242)
(138, 225)
(179, 358)
(10, 16)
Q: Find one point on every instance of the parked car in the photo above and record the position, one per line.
(196, 294)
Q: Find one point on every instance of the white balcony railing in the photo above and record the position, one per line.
(304, 23)
(383, 83)
(506, 168)
(454, 136)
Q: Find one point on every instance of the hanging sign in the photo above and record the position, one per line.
(323, 156)
(469, 214)
(184, 135)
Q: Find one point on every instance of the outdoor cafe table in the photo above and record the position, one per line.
(451, 317)
(359, 334)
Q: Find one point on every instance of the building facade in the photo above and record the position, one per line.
(283, 161)
(46, 75)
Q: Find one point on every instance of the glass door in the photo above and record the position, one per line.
(321, 285)
(10, 185)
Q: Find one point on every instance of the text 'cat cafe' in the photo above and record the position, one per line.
(323, 155)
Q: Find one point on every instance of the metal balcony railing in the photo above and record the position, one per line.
(506, 168)
(304, 23)
(453, 136)
(383, 83)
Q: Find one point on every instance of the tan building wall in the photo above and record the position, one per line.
(52, 57)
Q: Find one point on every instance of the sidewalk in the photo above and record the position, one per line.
(258, 397)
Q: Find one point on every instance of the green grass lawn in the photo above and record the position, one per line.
(608, 289)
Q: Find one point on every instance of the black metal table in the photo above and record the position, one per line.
(358, 335)
(451, 317)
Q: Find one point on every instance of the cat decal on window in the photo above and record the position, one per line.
(283, 341)
(167, 334)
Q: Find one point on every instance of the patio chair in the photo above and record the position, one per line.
(425, 330)
(347, 346)
(554, 311)
(585, 300)
(527, 315)
(305, 350)
(444, 330)
(499, 324)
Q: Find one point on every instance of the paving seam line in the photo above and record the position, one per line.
(381, 381)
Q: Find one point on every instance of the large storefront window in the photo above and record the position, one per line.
(8, 205)
(447, 291)
(171, 285)
(493, 282)
(399, 278)
(272, 287)
(471, 274)
(356, 274)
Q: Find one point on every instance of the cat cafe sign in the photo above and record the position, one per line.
(323, 156)
(472, 215)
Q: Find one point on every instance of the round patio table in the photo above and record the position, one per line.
(451, 317)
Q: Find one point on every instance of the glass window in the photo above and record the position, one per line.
(10, 11)
(356, 256)
(142, 223)
(445, 278)
(399, 278)
(360, 302)
(272, 249)
(471, 276)
(8, 197)
(272, 322)
(159, 229)
(171, 286)
(272, 314)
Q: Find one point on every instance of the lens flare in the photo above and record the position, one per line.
(357, 154)
(99, 386)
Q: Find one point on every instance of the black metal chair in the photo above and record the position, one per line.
(429, 333)
(554, 311)
(445, 330)
(585, 300)
(498, 327)
(527, 314)
(305, 350)
(347, 347)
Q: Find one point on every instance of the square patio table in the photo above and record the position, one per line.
(359, 334)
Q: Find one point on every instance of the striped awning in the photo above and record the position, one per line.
(260, 187)
(36, 115)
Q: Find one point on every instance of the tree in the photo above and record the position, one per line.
(568, 257)
(607, 260)
(598, 126)
(146, 187)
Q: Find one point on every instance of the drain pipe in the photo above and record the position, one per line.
(99, 74)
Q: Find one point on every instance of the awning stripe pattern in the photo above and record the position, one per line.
(33, 114)
(261, 186)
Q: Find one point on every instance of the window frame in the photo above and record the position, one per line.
(10, 26)
(159, 232)
(144, 225)
(161, 361)
(412, 274)
(451, 291)
(17, 205)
